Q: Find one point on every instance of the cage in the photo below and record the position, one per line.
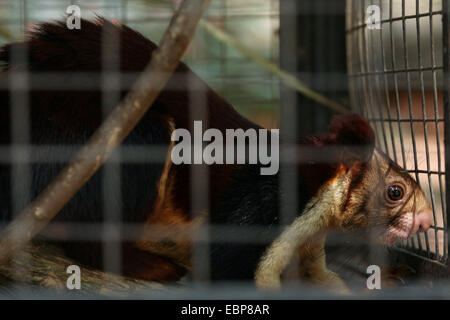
(395, 74)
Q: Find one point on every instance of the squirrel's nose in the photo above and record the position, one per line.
(424, 220)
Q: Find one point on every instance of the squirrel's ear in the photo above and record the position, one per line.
(355, 135)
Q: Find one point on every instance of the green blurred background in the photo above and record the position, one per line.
(248, 87)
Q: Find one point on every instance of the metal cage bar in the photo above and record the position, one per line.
(446, 63)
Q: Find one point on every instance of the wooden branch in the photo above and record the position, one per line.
(110, 134)
(44, 265)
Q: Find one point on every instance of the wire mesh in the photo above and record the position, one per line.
(396, 77)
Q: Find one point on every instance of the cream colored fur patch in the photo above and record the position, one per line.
(316, 216)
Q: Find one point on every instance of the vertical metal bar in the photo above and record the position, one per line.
(199, 187)
(199, 190)
(386, 90)
(370, 82)
(23, 16)
(425, 128)
(365, 69)
(224, 49)
(436, 121)
(20, 129)
(379, 103)
(374, 89)
(124, 11)
(361, 82)
(288, 111)
(273, 49)
(397, 97)
(436, 113)
(446, 89)
(408, 80)
(369, 74)
(111, 174)
(356, 62)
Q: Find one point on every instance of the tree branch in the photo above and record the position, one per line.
(44, 265)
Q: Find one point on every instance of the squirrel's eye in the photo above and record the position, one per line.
(395, 192)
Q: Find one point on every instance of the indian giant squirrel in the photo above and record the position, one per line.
(351, 190)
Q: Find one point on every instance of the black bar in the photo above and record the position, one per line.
(446, 58)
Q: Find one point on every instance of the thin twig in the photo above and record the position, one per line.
(287, 78)
(110, 134)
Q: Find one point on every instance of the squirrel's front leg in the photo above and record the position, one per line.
(313, 269)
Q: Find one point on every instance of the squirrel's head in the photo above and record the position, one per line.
(395, 206)
(381, 197)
